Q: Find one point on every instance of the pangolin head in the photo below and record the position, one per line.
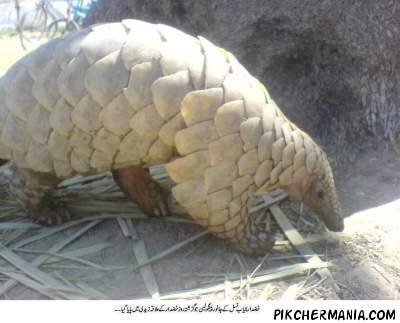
(320, 195)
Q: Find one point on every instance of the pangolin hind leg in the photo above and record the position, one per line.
(34, 191)
(256, 236)
(140, 188)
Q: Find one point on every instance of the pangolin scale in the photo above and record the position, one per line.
(118, 95)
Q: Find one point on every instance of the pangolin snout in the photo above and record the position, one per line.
(334, 223)
(330, 212)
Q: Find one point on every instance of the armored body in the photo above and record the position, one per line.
(116, 97)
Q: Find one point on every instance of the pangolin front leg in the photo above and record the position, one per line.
(34, 191)
(140, 188)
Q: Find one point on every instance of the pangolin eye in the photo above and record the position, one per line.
(320, 194)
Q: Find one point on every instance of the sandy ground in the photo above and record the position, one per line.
(365, 258)
(10, 51)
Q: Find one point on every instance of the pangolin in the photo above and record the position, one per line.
(121, 96)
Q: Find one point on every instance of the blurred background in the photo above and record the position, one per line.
(25, 24)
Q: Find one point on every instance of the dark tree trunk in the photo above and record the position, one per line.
(331, 65)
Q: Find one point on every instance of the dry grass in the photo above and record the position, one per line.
(85, 197)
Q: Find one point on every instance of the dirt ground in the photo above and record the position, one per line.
(365, 258)
(10, 50)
